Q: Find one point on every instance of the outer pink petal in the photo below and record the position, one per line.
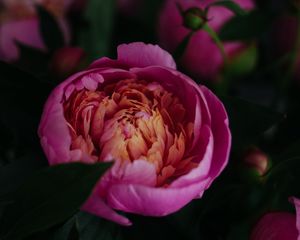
(297, 206)
(151, 201)
(53, 130)
(108, 63)
(221, 132)
(95, 205)
(140, 54)
(200, 173)
(275, 226)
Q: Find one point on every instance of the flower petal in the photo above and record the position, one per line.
(95, 205)
(139, 54)
(221, 132)
(151, 201)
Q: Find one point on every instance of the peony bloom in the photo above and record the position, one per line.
(168, 136)
(19, 23)
(202, 57)
(278, 225)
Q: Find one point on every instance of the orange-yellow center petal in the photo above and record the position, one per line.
(132, 120)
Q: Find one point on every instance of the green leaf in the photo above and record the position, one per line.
(91, 227)
(50, 197)
(230, 5)
(292, 151)
(21, 89)
(50, 30)
(13, 174)
(182, 46)
(63, 232)
(22, 97)
(246, 27)
(95, 36)
(248, 120)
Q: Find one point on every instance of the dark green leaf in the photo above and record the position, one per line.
(21, 89)
(248, 120)
(64, 231)
(182, 46)
(50, 30)
(246, 27)
(232, 6)
(293, 151)
(91, 227)
(95, 37)
(13, 175)
(33, 60)
(50, 197)
(22, 97)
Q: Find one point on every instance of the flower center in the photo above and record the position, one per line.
(132, 120)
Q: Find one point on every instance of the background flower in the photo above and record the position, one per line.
(202, 57)
(19, 24)
(278, 225)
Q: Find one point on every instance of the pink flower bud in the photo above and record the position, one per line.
(202, 57)
(278, 226)
(255, 159)
(66, 61)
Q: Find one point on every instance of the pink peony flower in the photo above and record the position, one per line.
(278, 225)
(168, 136)
(202, 57)
(19, 24)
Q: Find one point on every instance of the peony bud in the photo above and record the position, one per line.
(66, 61)
(278, 225)
(202, 57)
(256, 160)
(194, 18)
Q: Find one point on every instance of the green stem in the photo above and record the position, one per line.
(218, 42)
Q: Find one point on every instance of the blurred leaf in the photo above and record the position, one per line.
(33, 60)
(64, 231)
(95, 36)
(13, 175)
(247, 120)
(182, 46)
(230, 5)
(22, 97)
(92, 227)
(293, 151)
(50, 197)
(246, 27)
(243, 63)
(50, 30)
(21, 89)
